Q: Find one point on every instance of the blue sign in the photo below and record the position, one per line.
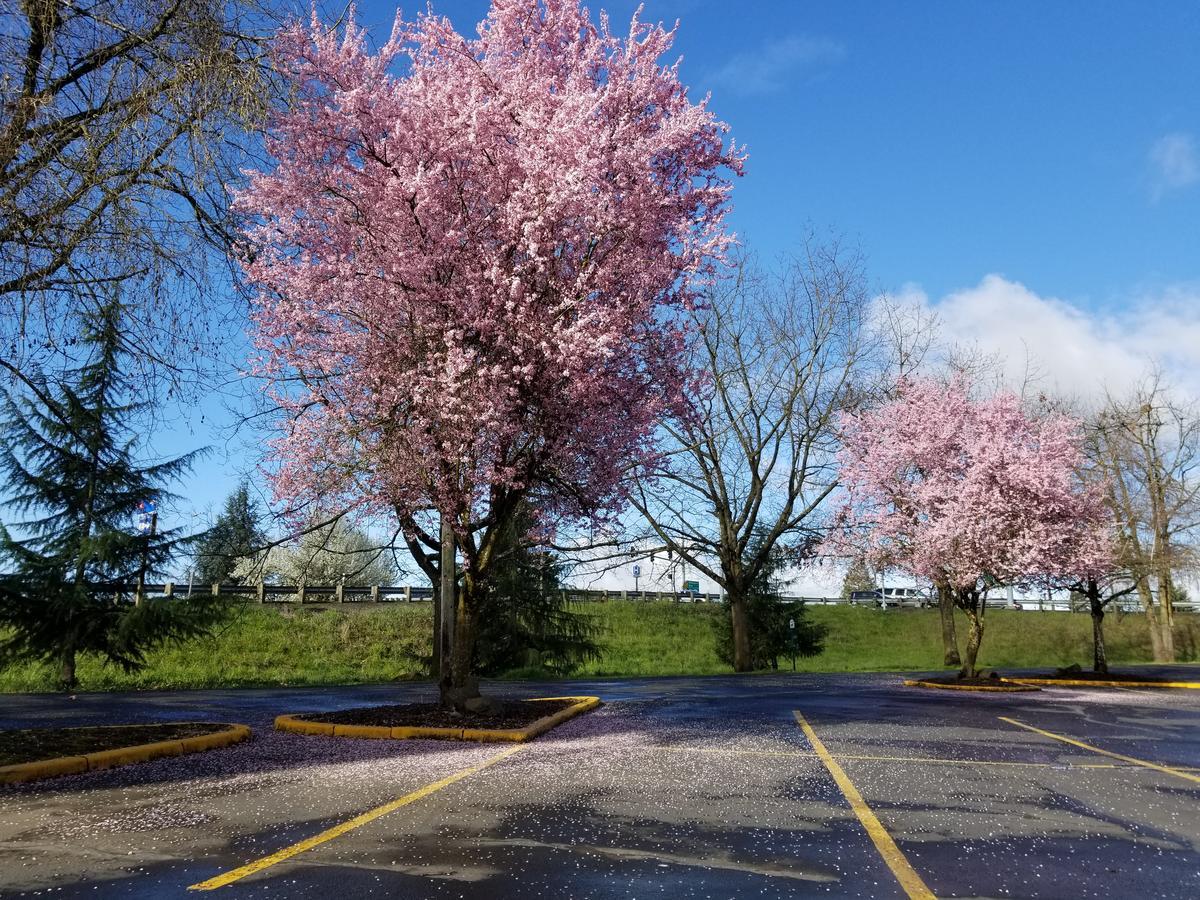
(147, 507)
(143, 523)
(637, 571)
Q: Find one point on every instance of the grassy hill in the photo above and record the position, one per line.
(263, 646)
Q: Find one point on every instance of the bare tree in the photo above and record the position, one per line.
(748, 469)
(122, 125)
(332, 554)
(1147, 447)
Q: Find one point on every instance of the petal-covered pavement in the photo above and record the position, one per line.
(763, 786)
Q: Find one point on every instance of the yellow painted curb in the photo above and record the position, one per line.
(48, 768)
(1009, 687)
(231, 735)
(498, 735)
(1082, 682)
(362, 731)
(121, 756)
(299, 725)
(417, 732)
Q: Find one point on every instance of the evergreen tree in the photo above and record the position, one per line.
(859, 577)
(234, 537)
(70, 469)
(524, 621)
(777, 628)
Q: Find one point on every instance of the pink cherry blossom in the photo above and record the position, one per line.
(471, 254)
(971, 493)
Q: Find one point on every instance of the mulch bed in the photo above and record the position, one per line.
(27, 745)
(516, 714)
(1101, 676)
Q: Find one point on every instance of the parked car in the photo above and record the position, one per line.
(866, 598)
(902, 597)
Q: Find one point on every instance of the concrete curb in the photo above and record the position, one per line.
(1011, 686)
(300, 725)
(121, 756)
(1083, 682)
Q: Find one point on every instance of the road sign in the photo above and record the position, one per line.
(637, 571)
(692, 587)
(147, 507)
(144, 523)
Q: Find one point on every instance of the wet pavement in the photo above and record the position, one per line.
(677, 787)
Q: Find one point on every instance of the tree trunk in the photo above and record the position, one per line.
(461, 685)
(740, 623)
(1166, 592)
(453, 623)
(1153, 625)
(971, 605)
(1160, 649)
(67, 672)
(950, 655)
(1099, 654)
(1156, 647)
(435, 667)
(1167, 641)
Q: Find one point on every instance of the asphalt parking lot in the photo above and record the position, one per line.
(846, 786)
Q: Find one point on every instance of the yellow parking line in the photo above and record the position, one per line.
(909, 880)
(358, 821)
(928, 760)
(943, 761)
(1178, 773)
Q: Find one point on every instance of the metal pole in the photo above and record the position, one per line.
(141, 579)
(446, 602)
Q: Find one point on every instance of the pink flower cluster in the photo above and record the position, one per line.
(973, 492)
(471, 256)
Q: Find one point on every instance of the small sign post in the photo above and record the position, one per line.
(637, 573)
(147, 524)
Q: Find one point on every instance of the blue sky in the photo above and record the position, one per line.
(954, 139)
(1029, 170)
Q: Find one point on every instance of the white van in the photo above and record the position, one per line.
(910, 598)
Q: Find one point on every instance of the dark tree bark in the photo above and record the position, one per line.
(741, 633)
(446, 624)
(950, 655)
(458, 685)
(67, 677)
(1099, 654)
(970, 602)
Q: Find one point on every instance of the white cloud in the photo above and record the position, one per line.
(1067, 349)
(1174, 164)
(769, 67)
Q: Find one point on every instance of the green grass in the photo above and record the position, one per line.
(871, 640)
(654, 639)
(267, 647)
